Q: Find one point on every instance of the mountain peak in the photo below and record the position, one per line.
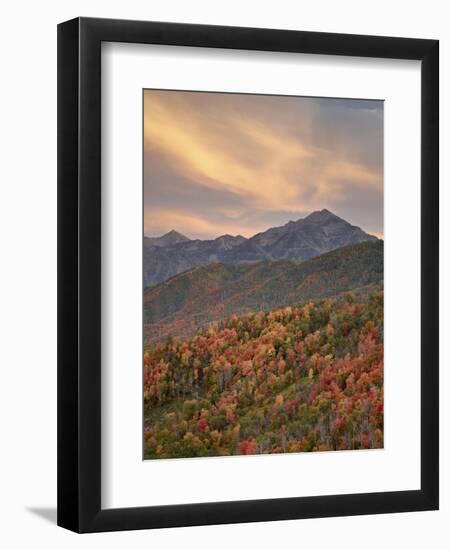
(168, 239)
(174, 235)
(229, 241)
(321, 216)
(228, 237)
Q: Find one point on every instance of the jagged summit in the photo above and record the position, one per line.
(168, 239)
(320, 216)
(228, 237)
(174, 234)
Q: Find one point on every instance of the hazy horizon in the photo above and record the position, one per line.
(221, 163)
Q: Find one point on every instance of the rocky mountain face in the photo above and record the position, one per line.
(191, 300)
(318, 233)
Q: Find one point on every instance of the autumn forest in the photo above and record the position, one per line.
(300, 378)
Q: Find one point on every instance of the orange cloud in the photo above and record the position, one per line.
(220, 145)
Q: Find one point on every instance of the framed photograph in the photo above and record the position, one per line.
(247, 276)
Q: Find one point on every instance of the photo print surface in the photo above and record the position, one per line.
(262, 274)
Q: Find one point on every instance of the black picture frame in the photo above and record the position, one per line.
(79, 274)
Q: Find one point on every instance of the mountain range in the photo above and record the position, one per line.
(193, 299)
(316, 234)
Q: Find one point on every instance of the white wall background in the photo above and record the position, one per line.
(28, 271)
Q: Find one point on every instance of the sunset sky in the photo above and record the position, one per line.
(230, 163)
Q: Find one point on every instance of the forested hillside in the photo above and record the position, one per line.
(300, 378)
(193, 299)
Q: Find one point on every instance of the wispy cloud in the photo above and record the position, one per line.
(259, 154)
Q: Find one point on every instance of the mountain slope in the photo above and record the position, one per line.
(316, 234)
(190, 300)
(295, 379)
(320, 232)
(163, 262)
